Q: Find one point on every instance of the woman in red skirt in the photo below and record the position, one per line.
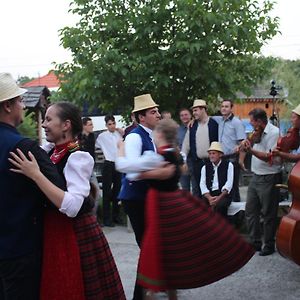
(186, 245)
(77, 261)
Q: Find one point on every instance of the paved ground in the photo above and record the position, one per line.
(263, 278)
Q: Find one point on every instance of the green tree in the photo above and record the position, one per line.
(175, 49)
(28, 127)
(24, 79)
(286, 73)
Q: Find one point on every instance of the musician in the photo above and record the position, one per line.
(293, 157)
(262, 195)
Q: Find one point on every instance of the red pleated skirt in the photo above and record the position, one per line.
(100, 273)
(77, 261)
(186, 244)
(61, 269)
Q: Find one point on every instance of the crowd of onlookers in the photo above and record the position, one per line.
(214, 149)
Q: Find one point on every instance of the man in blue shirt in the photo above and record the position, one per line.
(231, 133)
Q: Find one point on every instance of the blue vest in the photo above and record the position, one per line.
(212, 134)
(20, 203)
(135, 190)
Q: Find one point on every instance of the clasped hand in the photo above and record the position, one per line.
(28, 167)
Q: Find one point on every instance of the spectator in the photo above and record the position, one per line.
(197, 140)
(111, 183)
(231, 133)
(185, 118)
(131, 126)
(217, 180)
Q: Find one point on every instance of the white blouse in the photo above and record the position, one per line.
(132, 167)
(77, 172)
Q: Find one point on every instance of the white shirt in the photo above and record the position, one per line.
(202, 140)
(215, 185)
(148, 161)
(77, 172)
(108, 142)
(268, 143)
(133, 152)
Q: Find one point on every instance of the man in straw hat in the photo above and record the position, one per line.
(217, 179)
(133, 193)
(21, 202)
(295, 155)
(197, 140)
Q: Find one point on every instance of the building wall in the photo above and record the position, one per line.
(242, 110)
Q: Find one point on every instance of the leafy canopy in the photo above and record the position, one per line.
(176, 50)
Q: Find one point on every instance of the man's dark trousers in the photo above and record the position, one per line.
(20, 277)
(111, 184)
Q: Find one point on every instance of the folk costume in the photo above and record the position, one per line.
(21, 218)
(77, 261)
(185, 245)
(216, 178)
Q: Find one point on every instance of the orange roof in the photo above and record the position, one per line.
(50, 81)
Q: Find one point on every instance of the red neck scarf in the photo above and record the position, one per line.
(162, 149)
(61, 150)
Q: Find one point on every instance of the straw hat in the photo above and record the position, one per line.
(199, 102)
(215, 146)
(143, 102)
(8, 87)
(297, 110)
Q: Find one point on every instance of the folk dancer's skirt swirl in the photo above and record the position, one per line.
(187, 245)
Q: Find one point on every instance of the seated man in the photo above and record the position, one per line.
(217, 179)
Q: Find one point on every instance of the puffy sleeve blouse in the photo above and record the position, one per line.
(77, 172)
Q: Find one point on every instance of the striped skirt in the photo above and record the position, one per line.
(186, 244)
(77, 261)
(100, 275)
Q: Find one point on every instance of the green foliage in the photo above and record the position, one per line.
(286, 73)
(24, 79)
(29, 126)
(176, 50)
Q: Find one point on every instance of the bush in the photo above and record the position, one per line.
(29, 126)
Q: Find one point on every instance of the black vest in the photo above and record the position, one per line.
(89, 201)
(222, 174)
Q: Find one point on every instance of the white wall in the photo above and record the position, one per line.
(99, 123)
